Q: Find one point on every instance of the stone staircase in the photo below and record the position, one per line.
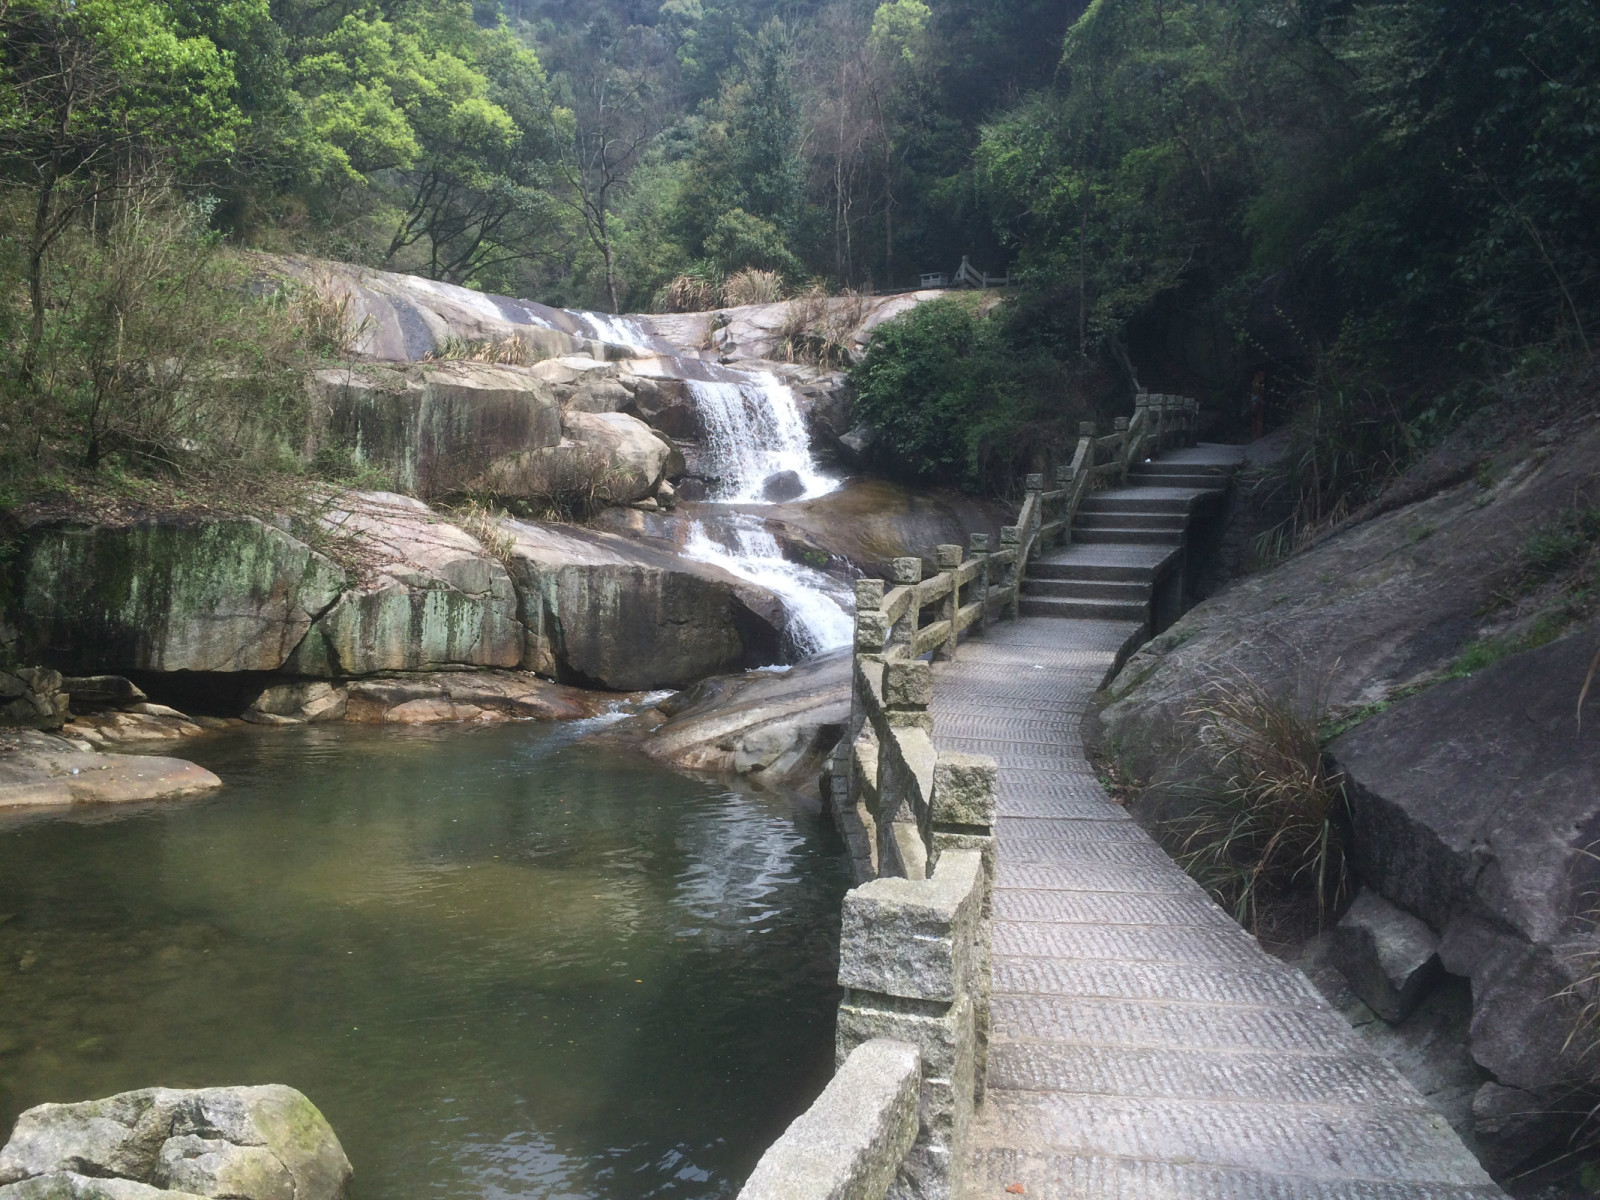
(1128, 541)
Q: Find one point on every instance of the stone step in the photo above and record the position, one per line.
(1206, 482)
(1156, 500)
(1065, 1175)
(1120, 535)
(1176, 464)
(1098, 610)
(1118, 572)
(1131, 519)
(1132, 591)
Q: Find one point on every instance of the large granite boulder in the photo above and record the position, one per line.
(1356, 619)
(1476, 806)
(32, 698)
(435, 426)
(601, 611)
(238, 1143)
(168, 594)
(772, 728)
(607, 457)
(431, 597)
(40, 770)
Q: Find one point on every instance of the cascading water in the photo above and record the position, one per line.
(818, 605)
(616, 331)
(753, 432)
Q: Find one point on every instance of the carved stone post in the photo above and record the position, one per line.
(906, 571)
(1121, 426)
(948, 558)
(979, 588)
(1011, 535)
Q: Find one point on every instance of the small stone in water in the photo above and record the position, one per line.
(783, 485)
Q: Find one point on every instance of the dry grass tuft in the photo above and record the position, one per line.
(482, 521)
(820, 329)
(752, 286)
(514, 351)
(1268, 824)
(689, 293)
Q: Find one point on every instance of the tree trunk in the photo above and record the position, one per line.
(36, 252)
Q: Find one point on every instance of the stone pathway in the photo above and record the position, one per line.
(1144, 1046)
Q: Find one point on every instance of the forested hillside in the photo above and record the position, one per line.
(1371, 211)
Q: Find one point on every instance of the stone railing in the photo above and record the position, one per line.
(1158, 423)
(914, 955)
(914, 948)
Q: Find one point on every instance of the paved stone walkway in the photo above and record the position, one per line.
(1144, 1046)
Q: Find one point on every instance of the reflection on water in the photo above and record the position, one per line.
(501, 963)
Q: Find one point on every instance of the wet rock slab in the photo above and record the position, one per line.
(41, 770)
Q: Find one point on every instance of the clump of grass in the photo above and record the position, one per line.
(1558, 547)
(819, 329)
(482, 521)
(1269, 823)
(693, 291)
(752, 286)
(513, 351)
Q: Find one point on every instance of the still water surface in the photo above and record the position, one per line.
(501, 963)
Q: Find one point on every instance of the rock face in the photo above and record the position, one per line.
(168, 595)
(435, 426)
(40, 769)
(602, 611)
(435, 598)
(771, 728)
(32, 698)
(1353, 619)
(1477, 806)
(243, 1143)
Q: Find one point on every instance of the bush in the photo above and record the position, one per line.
(957, 397)
(155, 355)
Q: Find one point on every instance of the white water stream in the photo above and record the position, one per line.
(754, 431)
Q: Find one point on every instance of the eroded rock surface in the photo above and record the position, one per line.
(437, 697)
(1477, 807)
(773, 728)
(243, 1143)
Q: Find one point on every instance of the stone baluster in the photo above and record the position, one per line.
(904, 813)
(1121, 426)
(1011, 535)
(906, 571)
(948, 558)
(979, 587)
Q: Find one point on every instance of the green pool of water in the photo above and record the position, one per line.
(502, 962)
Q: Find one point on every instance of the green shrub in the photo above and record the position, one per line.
(957, 399)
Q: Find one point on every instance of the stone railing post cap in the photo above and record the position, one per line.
(906, 570)
(980, 543)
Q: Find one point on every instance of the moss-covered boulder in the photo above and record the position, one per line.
(249, 1143)
(168, 594)
(431, 597)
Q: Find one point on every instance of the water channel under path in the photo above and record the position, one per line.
(501, 962)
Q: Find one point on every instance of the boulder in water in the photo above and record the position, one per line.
(602, 611)
(783, 485)
(608, 457)
(41, 769)
(250, 1143)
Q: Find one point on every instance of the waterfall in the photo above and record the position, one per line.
(616, 331)
(753, 431)
(819, 606)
